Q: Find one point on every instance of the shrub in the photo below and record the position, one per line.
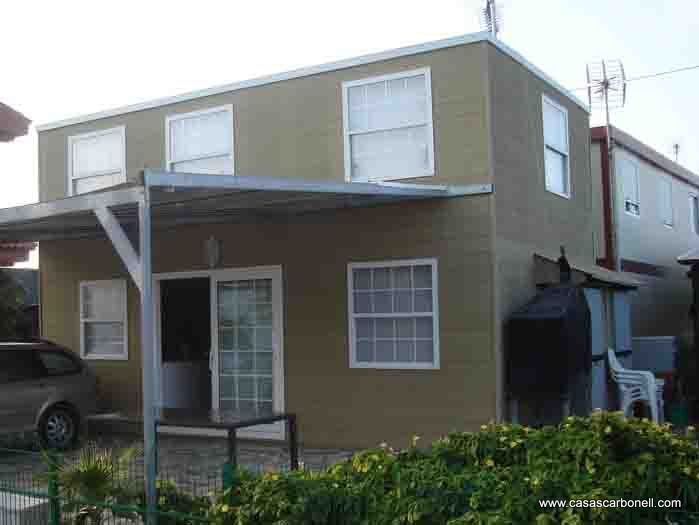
(495, 476)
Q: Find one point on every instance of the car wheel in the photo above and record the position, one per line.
(58, 428)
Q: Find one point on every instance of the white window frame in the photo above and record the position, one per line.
(72, 139)
(426, 72)
(190, 114)
(569, 182)
(123, 356)
(666, 180)
(694, 224)
(637, 174)
(353, 363)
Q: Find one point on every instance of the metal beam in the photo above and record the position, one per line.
(121, 244)
(71, 205)
(147, 356)
(175, 181)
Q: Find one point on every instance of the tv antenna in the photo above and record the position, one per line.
(491, 17)
(606, 86)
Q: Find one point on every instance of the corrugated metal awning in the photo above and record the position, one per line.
(183, 198)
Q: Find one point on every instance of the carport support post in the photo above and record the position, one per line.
(149, 437)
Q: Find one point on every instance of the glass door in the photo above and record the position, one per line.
(248, 374)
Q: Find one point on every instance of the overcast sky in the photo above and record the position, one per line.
(63, 59)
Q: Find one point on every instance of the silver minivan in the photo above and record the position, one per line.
(47, 388)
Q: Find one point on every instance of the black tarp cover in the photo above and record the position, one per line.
(548, 344)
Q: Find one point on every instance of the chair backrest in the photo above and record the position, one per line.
(614, 363)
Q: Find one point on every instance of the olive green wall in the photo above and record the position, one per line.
(293, 128)
(527, 218)
(336, 405)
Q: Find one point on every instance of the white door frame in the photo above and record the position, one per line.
(273, 272)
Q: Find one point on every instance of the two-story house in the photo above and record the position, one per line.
(648, 212)
(344, 241)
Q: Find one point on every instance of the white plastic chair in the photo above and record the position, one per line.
(637, 385)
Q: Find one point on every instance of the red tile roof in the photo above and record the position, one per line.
(12, 123)
(14, 252)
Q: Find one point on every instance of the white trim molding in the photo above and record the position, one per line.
(434, 315)
(428, 123)
(323, 68)
(124, 355)
(74, 139)
(169, 119)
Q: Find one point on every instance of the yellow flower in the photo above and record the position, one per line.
(608, 430)
(489, 462)
(225, 508)
(503, 439)
(513, 444)
(484, 427)
(687, 471)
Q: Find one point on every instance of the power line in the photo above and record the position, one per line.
(652, 75)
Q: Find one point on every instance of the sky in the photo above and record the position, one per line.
(63, 59)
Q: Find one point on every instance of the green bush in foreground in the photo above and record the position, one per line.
(495, 476)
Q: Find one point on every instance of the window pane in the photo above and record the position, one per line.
(362, 302)
(389, 154)
(405, 328)
(97, 154)
(423, 301)
(263, 363)
(362, 279)
(383, 302)
(203, 135)
(423, 276)
(103, 338)
(424, 351)
(57, 363)
(365, 328)
(405, 351)
(385, 329)
(404, 301)
(89, 184)
(385, 351)
(221, 165)
(555, 132)
(402, 277)
(103, 300)
(666, 211)
(556, 172)
(382, 279)
(423, 328)
(17, 365)
(365, 351)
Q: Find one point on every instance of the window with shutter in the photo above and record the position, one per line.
(388, 127)
(628, 172)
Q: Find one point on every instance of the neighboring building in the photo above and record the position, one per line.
(371, 323)
(12, 125)
(28, 280)
(648, 214)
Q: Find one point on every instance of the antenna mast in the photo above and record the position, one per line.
(491, 18)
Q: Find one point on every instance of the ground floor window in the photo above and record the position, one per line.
(393, 317)
(103, 320)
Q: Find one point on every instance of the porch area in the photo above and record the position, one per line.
(286, 248)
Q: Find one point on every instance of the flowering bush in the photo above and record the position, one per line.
(495, 476)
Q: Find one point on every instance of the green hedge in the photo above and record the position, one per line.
(495, 476)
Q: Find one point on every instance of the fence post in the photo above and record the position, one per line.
(54, 501)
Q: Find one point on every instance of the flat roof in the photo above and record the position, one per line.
(189, 198)
(321, 68)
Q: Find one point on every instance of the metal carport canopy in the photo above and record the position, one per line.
(165, 199)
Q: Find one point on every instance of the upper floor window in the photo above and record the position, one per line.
(201, 141)
(388, 127)
(556, 161)
(393, 314)
(665, 194)
(96, 160)
(630, 186)
(694, 212)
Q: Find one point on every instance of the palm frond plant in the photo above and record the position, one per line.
(92, 479)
